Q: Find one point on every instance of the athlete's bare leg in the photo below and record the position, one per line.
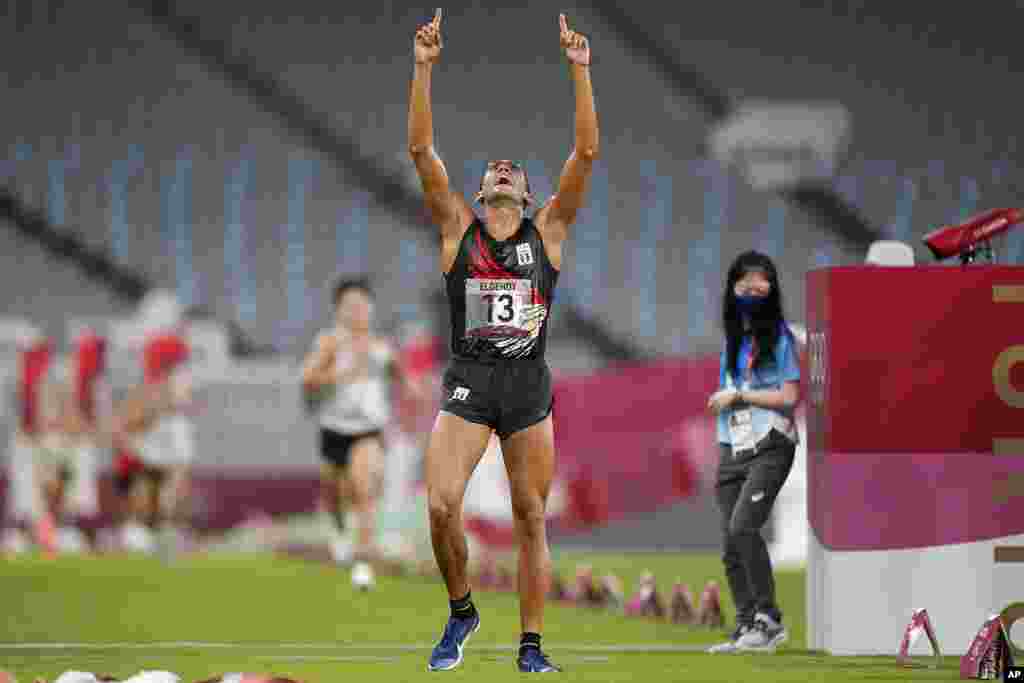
(333, 501)
(53, 490)
(331, 495)
(456, 447)
(175, 495)
(530, 461)
(145, 497)
(364, 484)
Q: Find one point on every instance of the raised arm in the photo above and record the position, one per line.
(559, 213)
(449, 211)
(335, 361)
(318, 370)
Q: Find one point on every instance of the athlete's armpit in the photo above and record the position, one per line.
(452, 233)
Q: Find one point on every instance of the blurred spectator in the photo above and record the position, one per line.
(154, 438)
(157, 677)
(143, 677)
(420, 352)
(56, 458)
(26, 502)
(415, 407)
(91, 411)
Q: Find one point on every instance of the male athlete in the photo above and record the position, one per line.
(348, 376)
(169, 445)
(27, 502)
(56, 456)
(141, 464)
(75, 412)
(153, 439)
(500, 273)
(92, 408)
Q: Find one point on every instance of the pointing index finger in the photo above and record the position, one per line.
(437, 18)
(562, 23)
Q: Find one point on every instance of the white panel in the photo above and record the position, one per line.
(866, 597)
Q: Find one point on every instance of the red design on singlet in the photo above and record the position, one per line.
(483, 265)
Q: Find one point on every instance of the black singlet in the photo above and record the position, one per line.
(499, 295)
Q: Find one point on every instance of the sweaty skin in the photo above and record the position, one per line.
(456, 444)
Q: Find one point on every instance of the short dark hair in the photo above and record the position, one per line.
(346, 284)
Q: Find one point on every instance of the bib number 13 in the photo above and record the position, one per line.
(500, 308)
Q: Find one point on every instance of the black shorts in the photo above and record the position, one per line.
(506, 396)
(124, 482)
(336, 448)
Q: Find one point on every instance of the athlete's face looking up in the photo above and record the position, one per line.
(354, 311)
(505, 180)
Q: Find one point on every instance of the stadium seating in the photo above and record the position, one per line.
(907, 120)
(43, 289)
(190, 124)
(141, 88)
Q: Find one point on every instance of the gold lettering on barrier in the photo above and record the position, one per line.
(1009, 553)
(1008, 294)
(1007, 446)
(1009, 394)
(1006, 488)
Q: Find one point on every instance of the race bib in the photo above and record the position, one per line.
(741, 430)
(497, 307)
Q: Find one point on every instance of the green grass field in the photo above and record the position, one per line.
(207, 615)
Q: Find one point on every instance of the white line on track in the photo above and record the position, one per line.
(561, 658)
(384, 647)
(327, 658)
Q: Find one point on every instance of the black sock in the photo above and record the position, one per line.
(338, 515)
(463, 608)
(528, 640)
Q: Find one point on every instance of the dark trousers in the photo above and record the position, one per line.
(746, 491)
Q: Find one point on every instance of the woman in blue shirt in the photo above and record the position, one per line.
(757, 393)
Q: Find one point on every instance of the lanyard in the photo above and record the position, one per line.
(748, 371)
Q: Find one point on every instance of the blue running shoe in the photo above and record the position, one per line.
(447, 654)
(532, 660)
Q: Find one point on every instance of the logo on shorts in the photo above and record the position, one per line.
(460, 394)
(757, 496)
(525, 254)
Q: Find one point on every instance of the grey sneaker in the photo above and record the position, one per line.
(730, 645)
(765, 636)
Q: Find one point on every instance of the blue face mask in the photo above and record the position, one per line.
(749, 304)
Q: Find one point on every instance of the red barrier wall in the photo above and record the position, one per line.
(914, 438)
(630, 439)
